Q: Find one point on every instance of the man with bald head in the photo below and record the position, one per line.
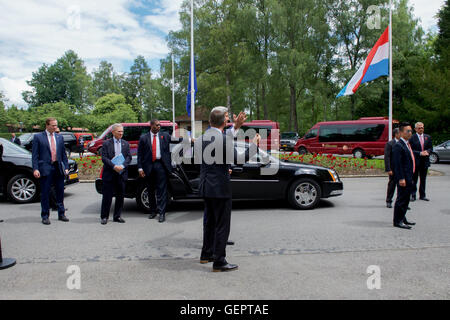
(422, 146)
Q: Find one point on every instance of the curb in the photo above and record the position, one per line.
(432, 173)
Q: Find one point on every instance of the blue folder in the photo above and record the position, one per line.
(118, 160)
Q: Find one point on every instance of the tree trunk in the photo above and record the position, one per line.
(257, 101)
(352, 106)
(230, 111)
(266, 112)
(293, 123)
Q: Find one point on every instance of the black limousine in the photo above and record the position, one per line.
(18, 182)
(303, 185)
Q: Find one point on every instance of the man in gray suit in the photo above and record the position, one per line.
(389, 165)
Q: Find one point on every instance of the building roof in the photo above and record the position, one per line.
(201, 114)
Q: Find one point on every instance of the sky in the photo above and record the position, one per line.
(35, 32)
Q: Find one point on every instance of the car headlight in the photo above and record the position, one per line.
(333, 175)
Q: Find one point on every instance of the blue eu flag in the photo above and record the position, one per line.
(188, 99)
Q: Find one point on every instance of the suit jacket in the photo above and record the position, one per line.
(108, 154)
(417, 148)
(215, 176)
(403, 163)
(388, 159)
(16, 141)
(42, 155)
(145, 154)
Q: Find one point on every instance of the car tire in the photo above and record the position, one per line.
(142, 199)
(359, 153)
(304, 194)
(302, 150)
(22, 189)
(434, 158)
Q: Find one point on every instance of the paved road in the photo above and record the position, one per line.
(281, 253)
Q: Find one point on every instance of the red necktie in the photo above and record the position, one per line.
(53, 147)
(412, 156)
(421, 141)
(154, 148)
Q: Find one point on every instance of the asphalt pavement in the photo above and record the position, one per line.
(282, 253)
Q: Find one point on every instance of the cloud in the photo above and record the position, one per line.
(37, 32)
(166, 17)
(426, 10)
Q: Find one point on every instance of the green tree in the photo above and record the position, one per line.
(104, 81)
(110, 109)
(65, 80)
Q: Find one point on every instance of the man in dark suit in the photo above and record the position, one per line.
(404, 168)
(217, 152)
(422, 146)
(14, 139)
(155, 166)
(50, 165)
(388, 165)
(114, 175)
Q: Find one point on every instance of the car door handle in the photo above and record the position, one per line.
(238, 169)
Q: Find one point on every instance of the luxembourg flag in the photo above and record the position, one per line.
(375, 66)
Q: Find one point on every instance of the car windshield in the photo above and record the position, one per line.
(25, 137)
(12, 149)
(288, 135)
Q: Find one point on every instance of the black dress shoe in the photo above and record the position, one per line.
(204, 260)
(230, 243)
(152, 216)
(119, 220)
(46, 221)
(413, 197)
(104, 221)
(63, 218)
(388, 205)
(424, 199)
(162, 218)
(401, 225)
(409, 223)
(225, 268)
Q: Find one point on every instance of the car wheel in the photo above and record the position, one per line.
(434, 158)
(359, 153)
(302, 150)
(304, 194)
(142, 199)
(22, 189)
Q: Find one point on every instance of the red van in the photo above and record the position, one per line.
(131, 133)
(269, 131)
(365, 137)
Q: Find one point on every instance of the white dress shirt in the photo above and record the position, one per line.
(117, 147)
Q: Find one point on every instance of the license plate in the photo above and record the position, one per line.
(73, 176)
(284, 145)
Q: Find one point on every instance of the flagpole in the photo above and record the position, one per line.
(192, 73)
(173, 98)
(390, 70)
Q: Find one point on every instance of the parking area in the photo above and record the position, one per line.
(281, 253)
